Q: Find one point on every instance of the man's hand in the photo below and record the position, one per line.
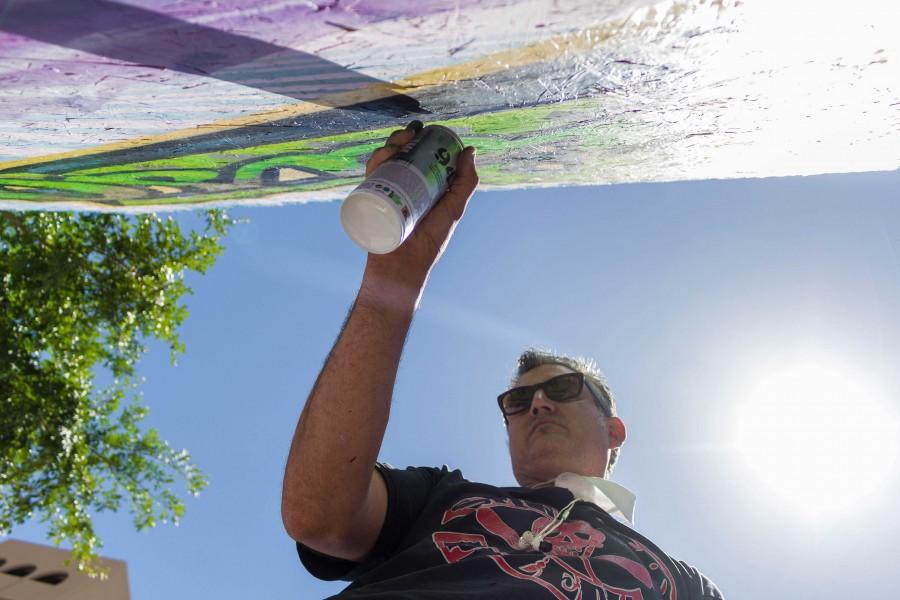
(410, 264)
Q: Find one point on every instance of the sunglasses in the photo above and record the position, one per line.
(562, 388)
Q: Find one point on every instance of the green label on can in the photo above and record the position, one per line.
(433, 153)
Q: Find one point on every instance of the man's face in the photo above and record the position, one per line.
(552, 438)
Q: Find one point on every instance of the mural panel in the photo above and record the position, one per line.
(143, 105)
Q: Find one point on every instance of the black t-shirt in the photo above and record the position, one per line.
(445, 537)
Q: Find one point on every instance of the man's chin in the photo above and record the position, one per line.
(549, 449)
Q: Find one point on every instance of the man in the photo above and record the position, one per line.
(429, 533)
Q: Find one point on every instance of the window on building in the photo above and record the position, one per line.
(52, 578)
(21, 570)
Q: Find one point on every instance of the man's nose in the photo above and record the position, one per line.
(541, 403)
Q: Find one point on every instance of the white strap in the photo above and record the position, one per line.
(528, 539)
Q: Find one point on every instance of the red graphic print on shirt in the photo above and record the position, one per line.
(572, 552)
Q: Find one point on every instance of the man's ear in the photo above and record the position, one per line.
(615, 430)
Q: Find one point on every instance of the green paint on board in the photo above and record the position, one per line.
(255, 192)
(171, 177)
(515, 147)
(83, 188)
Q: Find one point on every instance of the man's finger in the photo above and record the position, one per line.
(395, 141)
(379, 156)
(382, 154)
(464, 184)
(401, 137)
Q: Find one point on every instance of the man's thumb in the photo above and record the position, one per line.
(463, 184)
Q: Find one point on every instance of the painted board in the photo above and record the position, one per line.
(148, 104)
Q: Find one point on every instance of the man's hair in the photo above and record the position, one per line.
(532, 358)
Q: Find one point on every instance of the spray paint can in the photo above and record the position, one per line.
(383, 210)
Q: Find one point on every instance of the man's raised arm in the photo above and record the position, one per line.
(333, 500)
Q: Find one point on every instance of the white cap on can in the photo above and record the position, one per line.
(372, 221)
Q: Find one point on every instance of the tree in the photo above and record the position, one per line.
(80, 295)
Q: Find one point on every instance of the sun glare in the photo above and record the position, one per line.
(818, 438)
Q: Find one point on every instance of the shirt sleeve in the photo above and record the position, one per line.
(699, 585)
(408, 492)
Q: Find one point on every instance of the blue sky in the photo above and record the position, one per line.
(684, 293)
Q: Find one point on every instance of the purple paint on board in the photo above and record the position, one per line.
(152, 39)
(279, 22)
(274, 22)
(43, 83)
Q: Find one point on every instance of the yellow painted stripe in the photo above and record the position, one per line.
(556, 47)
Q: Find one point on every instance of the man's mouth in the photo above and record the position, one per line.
(542, 425)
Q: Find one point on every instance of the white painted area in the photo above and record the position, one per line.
(288, 174)
(396, 49)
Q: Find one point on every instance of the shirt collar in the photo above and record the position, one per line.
(615, 499)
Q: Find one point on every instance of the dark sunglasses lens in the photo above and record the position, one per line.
(564, 387)
(559, 389)
(515, 401)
